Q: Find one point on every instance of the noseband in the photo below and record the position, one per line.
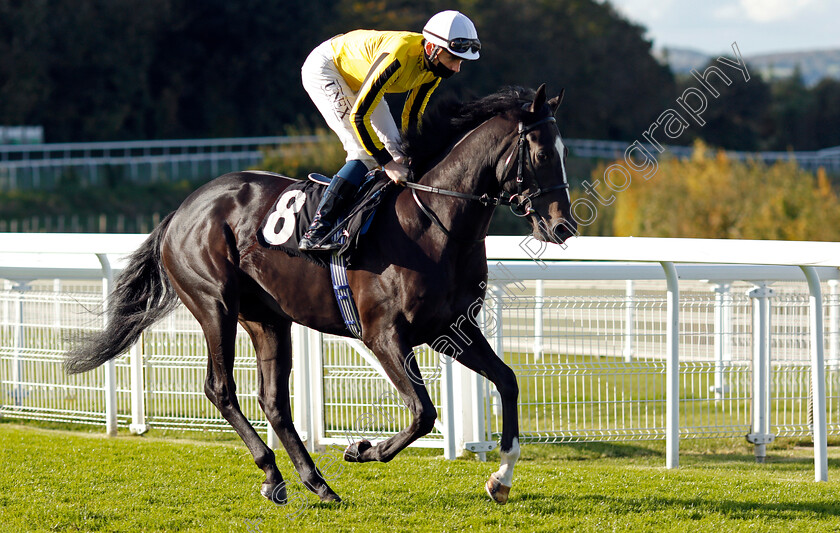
(520, 204)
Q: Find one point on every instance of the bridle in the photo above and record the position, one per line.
(520, 204)
(521, 200)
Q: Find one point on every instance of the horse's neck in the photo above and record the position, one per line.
(470, 167)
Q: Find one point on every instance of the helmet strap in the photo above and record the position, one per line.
(438, 69)
(434, 53)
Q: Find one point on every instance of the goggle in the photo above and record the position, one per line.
(461, 44)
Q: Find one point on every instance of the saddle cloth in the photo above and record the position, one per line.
(294, 209)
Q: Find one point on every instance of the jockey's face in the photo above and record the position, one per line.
(444, 58)
(450, 61)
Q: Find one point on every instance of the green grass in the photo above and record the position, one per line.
(57, 480)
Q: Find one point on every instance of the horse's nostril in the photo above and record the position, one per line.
(563, 230)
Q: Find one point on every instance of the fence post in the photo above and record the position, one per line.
(723, 344)
(629, 321)
(308, 360)
(302, 401)
(834, 325)
(109, 367)
(760, 432)
(450, 440)
(20, 287)
(539, 299)
(138, 390)
(316, 388)
(817, 375)
(672, 368)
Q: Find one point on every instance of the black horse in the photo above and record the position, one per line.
(420, 267)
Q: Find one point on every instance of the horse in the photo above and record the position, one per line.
(421, 265)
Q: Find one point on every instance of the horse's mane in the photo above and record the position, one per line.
(449, 120)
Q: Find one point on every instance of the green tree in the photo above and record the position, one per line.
(823, 115)
(739, 118)
(120, 69)
(791, 100)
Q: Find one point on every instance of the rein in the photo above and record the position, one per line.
(520, 203)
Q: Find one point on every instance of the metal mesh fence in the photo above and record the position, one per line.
(360, 402)
(589, 356)
(592, 367)
(35, 328)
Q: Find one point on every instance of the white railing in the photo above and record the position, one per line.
(598, 357)
(45, 165)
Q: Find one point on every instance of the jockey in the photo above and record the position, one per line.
(347, 77)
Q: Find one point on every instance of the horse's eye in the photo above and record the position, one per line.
(542, 156)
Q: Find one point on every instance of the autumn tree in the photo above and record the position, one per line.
(711, 196)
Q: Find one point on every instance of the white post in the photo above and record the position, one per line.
(672, 369)
(302, 400)
(760, 434)
(817, 375)
(539, 299)
(450, 441)
(316, 389)
(723, 344)
(834, 325)
(629, 321)
(19, 287)
(138, 391)
(57, 302)
(109, 367)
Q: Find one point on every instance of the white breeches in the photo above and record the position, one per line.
(334, 99)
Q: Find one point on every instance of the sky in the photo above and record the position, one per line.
(758, 26)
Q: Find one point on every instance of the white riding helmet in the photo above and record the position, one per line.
(455, 32)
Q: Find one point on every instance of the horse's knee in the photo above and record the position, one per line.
(426, 420)
(218, 394)
(265, 458)
(210, 392)
(507, 385)
(271, 409)
(274, 414)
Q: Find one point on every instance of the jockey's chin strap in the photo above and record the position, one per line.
(520, 204)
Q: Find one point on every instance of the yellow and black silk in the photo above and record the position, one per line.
(377, 62)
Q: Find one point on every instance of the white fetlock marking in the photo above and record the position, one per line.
(509, 458)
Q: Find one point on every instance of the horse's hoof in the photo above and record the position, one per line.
(353, 453)
(498, 493)
(330, 497)
(275, 493)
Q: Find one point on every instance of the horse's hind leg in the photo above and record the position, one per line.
(274, 360)
(216, 310)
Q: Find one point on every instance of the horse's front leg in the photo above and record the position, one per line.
(479, 357)
(398, 361)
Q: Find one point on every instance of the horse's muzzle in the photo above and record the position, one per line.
(563, 230)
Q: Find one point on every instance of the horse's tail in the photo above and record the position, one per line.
(142, 295)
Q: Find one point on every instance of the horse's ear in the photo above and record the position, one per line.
(555, 102)
(539, 99)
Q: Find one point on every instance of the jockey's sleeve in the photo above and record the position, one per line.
(380, 76)
(415, 104)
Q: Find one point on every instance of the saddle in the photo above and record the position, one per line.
(295, 207)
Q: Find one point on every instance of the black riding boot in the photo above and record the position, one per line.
(338, 194)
